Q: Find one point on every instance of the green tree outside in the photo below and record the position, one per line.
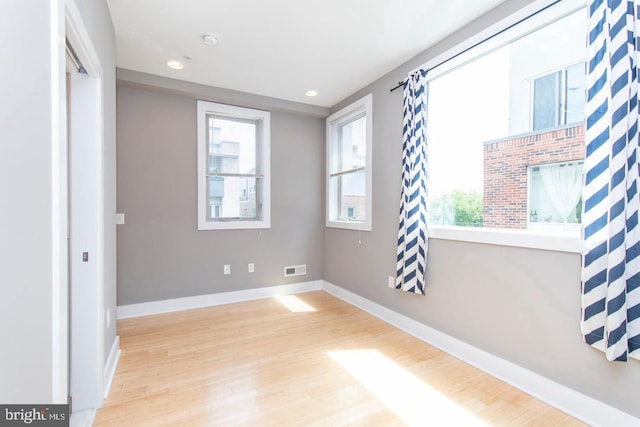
(462, 208)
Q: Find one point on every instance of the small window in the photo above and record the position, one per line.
(233, 167)
(546, 101)
(349, 166)
(559, 97)
(554, 200)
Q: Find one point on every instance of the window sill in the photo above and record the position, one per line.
(233, 225)
(349, 225)
(515, 238)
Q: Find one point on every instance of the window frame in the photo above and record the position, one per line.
(363, 107)
(263, 164)
(504, 31)
(541, 227)
(561, 111)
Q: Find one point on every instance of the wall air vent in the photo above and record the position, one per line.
(295, 270)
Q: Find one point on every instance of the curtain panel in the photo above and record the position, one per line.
(412, 232)
(611, 244)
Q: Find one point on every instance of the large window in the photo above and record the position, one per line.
(506, 129)
(233, 167)
(349, 166)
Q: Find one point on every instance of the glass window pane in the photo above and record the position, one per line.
(555, 192)
(232, 197)
(480, 155)
(351, 194)
(576, 87)
(461, 208)
(546, 101)
(232, 146)
(352, 145)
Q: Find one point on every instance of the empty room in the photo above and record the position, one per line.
(320, 213)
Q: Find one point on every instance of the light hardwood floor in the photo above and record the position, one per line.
(261, 364)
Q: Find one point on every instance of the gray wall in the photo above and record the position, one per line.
(161, 254)
(97, 19)
(522, 305)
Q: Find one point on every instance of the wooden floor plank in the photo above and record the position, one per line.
(260, 364)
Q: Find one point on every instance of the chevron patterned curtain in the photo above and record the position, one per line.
(611, 247)
(412, 233)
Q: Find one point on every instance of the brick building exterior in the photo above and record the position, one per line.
(506, 163)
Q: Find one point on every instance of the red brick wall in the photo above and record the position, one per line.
(505, 171)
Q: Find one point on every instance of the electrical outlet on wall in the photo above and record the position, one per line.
(227, 269)
(251, 268)
(391, 281)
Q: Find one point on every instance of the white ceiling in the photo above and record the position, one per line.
(282, 48)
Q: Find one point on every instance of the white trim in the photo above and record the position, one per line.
(578, 405)
(59, 210)
(111, 365)
(79, 37)
(263, 162)
(200, 301)
(362, 105)
(82, 418)
(536, 239)
(87, 375)
(504, 237)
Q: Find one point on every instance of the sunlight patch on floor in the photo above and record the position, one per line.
(295, 304)
(413, 401)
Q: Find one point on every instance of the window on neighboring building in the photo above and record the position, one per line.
(559, 97)
(555, 196)
(349, 166)
(233, 167)
(487, 168)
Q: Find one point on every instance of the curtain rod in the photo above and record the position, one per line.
(74, 58)
(401, 83)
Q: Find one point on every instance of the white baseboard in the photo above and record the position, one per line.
(110, 365)
(187, 303)
(83, 418)
(578, 405)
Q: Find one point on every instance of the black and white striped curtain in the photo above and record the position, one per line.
(611, 248)
(412, 233)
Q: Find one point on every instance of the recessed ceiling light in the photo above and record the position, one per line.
(311, 93)
(176, 65)
(210, 39)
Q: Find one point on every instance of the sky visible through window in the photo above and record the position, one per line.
(490, 98)
(245, 135)
(466, 107)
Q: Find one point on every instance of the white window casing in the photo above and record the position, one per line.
(352, 212)
(510, 29)
(209, 214)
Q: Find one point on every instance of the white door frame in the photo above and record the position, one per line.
(86, 193)
(59, 211)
